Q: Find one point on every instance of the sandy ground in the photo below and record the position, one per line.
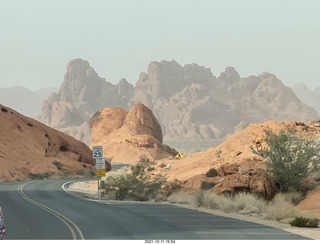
(88, 189)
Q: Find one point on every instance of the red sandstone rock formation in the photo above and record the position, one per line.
(125, 136)
(28, 146)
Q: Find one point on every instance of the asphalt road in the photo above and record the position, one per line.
(43, 210)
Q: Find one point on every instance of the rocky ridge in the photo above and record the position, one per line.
(189, 101)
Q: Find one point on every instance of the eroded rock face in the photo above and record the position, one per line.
(127, 135)
(189, 101)
(81, 94)
(238, 168)
(192, 103)
(28, 146)
(235, 178)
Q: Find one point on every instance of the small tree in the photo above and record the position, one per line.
(289, 159)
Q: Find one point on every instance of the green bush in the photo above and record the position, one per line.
(118, 185)
(305, 222)
(212, 173)
(205, 185)
(137, 186)
(138, 170)
(289, 159)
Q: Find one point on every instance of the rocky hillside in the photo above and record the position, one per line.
(28, 146)
(127, 135)
(238, 168)
(308, 96)
(189, 101)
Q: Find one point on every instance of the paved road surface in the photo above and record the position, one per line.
(43, 210)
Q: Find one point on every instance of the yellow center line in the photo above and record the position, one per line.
(71, 225)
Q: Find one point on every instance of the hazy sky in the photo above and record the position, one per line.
(120, 38)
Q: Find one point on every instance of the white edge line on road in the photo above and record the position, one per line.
(92, 200)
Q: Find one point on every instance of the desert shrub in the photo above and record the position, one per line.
(81, 172)
(199, 198)
(280, 208)
(206, 185)
(57, 164)
(210, 199)
(289, 159)
(293, 197)
(316, 176)
(38, 176)
(248, 203)
(117, 184)
(92, 172)
(219, 154)
(169, 188)
(305, 222)
(141, 190)
(212, 173)
(138, 170)
(150, 169)
(181, 197)
(135, 185)
(305, 128)
(59, 174)
(243, 203)
(162, 165)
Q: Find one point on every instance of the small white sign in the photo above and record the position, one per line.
(97, 152)
(100, 163)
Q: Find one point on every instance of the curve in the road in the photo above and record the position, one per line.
(74, 229)
(43, 210)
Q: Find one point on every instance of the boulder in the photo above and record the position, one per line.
(128, 135)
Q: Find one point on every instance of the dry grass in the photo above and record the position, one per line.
(180, 197)
(281, 208)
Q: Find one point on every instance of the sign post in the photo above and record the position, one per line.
(97, 153)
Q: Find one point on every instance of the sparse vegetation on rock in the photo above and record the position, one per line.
(206, 185)
(212, 173)
(57, 164)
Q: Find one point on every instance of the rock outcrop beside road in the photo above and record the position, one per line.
(28, 146)
(238, 168)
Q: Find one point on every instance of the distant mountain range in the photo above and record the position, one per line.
(23, 100)
(189, 102)
(308, 96)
